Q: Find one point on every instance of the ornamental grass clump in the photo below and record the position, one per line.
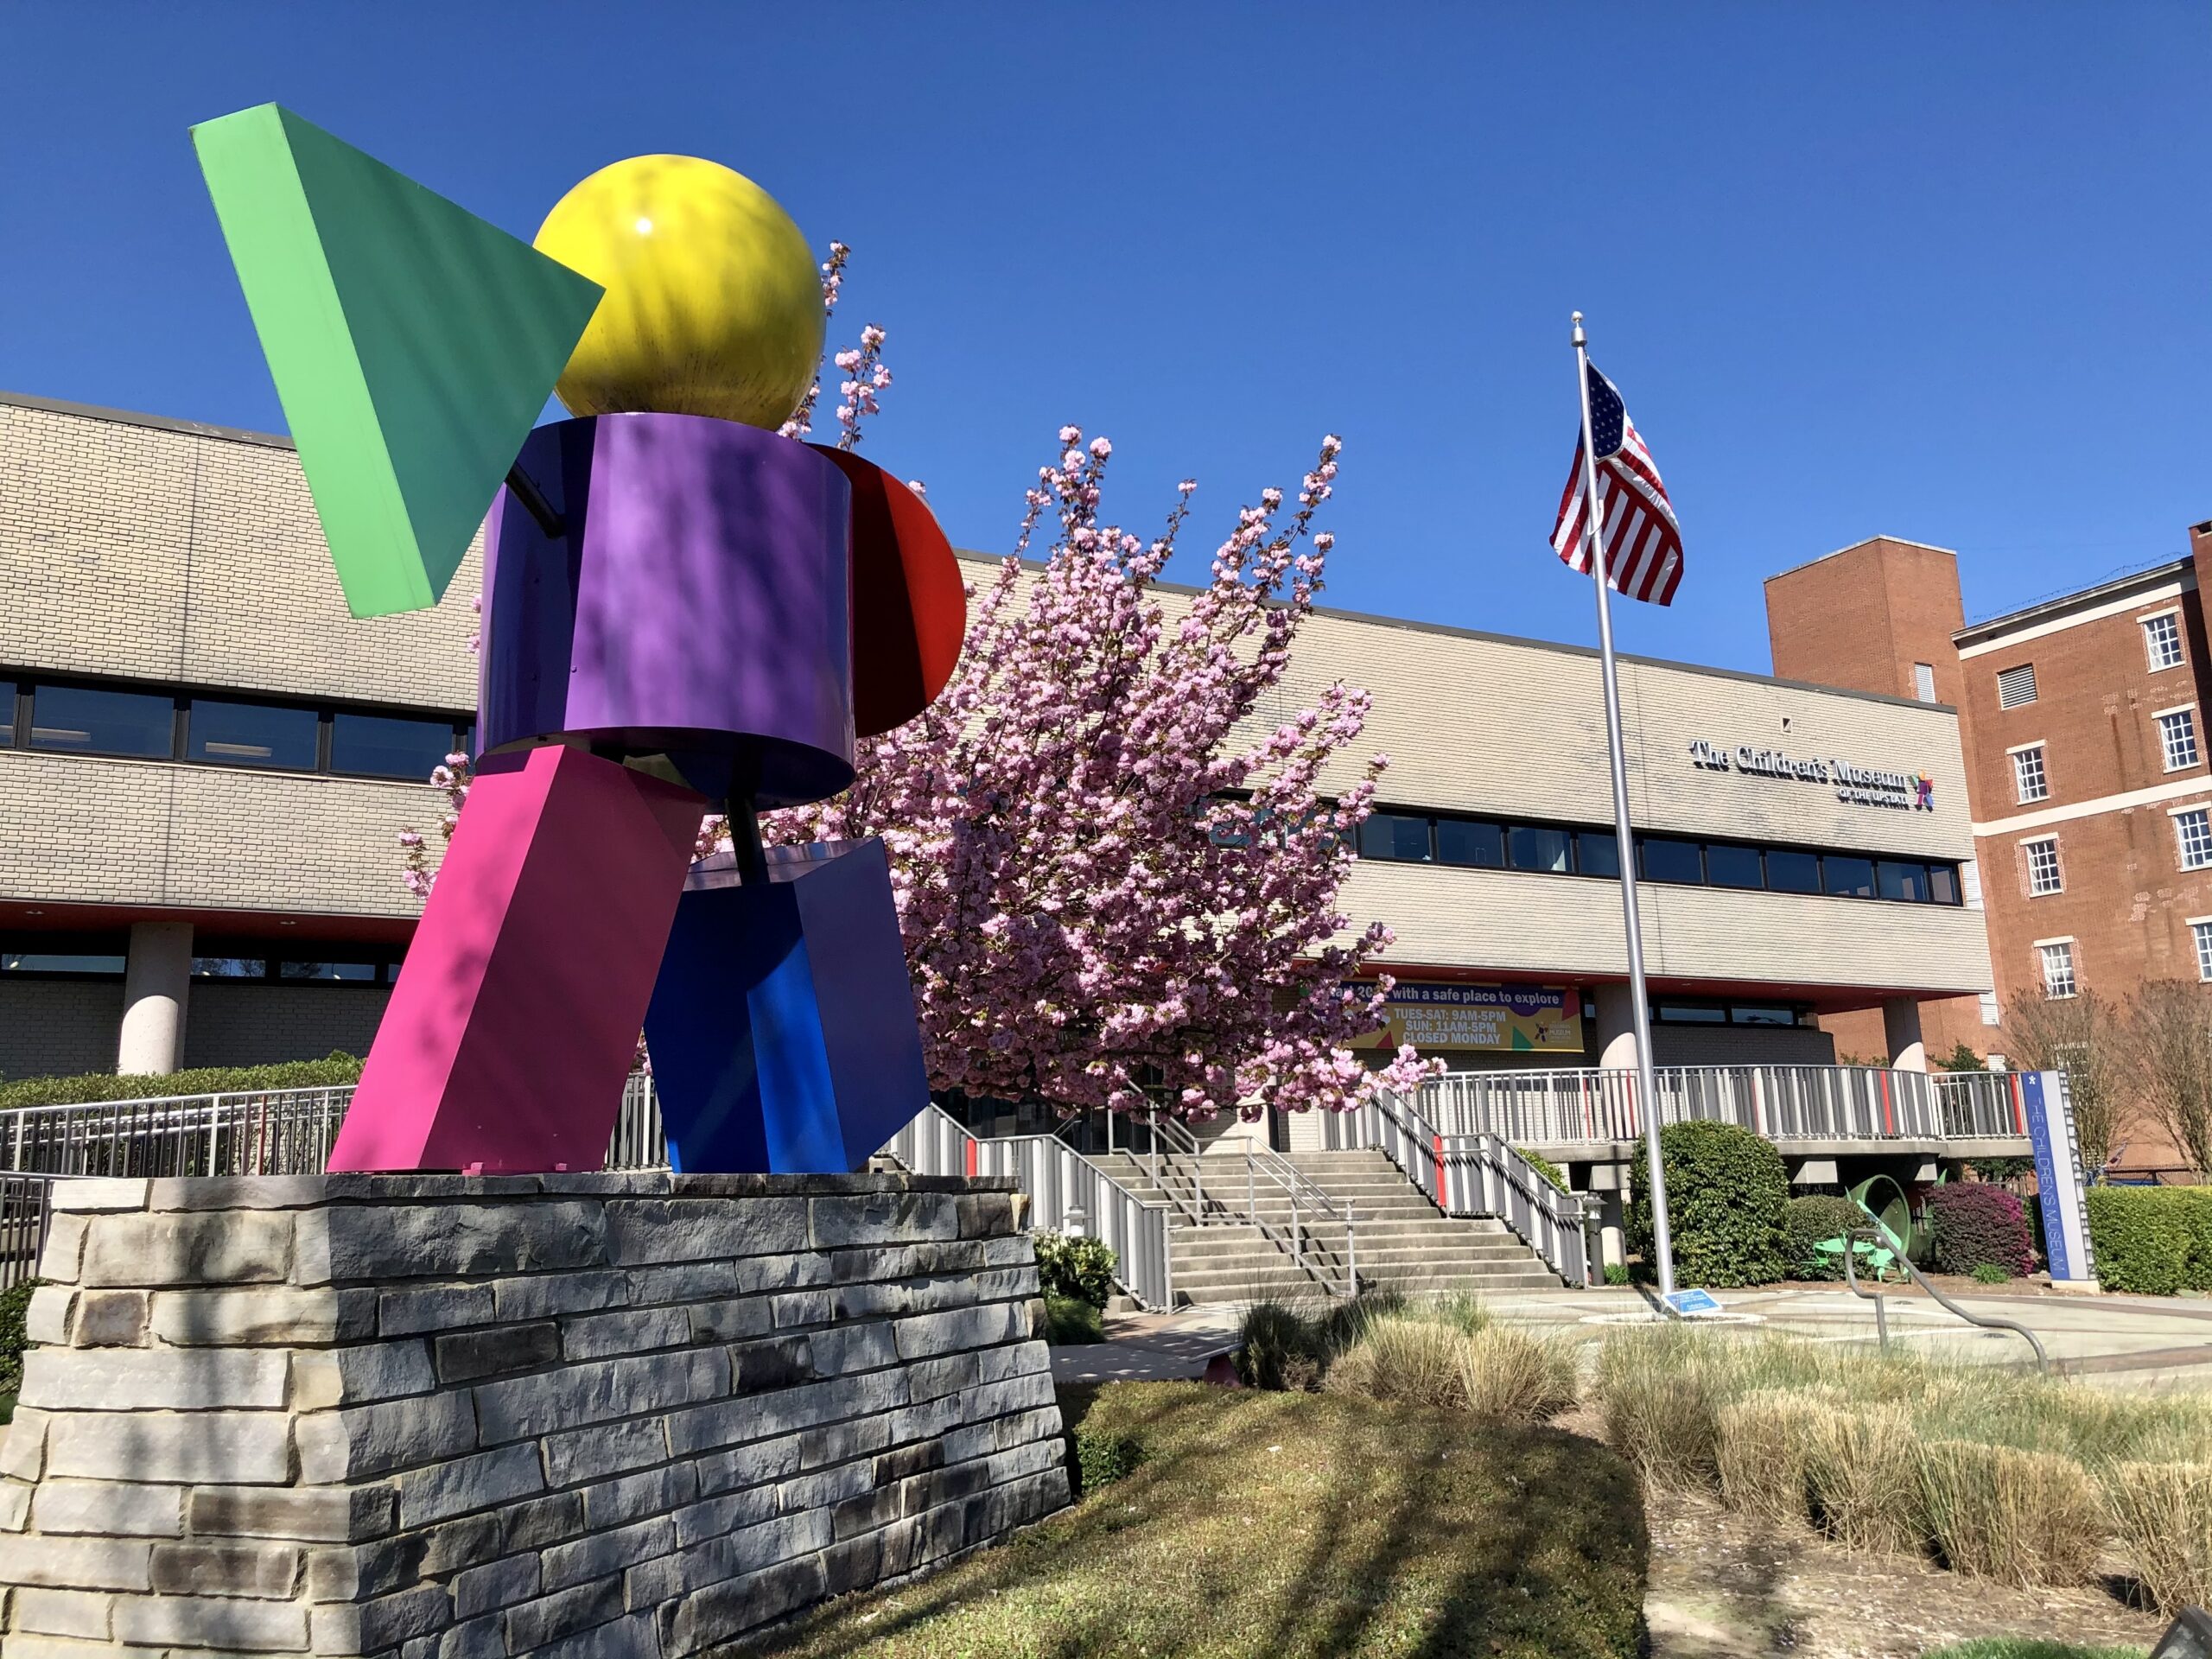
(2162, 1514)
(1863, 1469)
(2027, 1517)
(1996, 1471)
(1510, 1375)
(1496, 1372)
(1764, 1449)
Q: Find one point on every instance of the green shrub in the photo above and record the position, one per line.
(1988, 1273)
(15, 1304)
(1727, 1203)
(1544, 1166)
(1103, 1457)
(1617, 1273)
(1069, 1265)
(2151, 1240)
(1069, 1320)
(333, 1070)
(1813, 1220)
(1973, 1224)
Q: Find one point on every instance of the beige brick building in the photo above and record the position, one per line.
(204, 760)
(210, 759)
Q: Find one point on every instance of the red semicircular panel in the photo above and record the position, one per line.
(910, 610)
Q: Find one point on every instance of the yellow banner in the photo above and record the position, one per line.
(1499, 1017)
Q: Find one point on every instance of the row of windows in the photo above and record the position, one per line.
(2177, 749)
(2192, 848)
(1482, 843)
(224, 731)
(350, 968)
(2162, 648)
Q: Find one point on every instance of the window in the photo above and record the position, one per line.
(1690, 1013)
(1527, 848)
(2057, 960)
(2177, 738)
(1480, 845)
(1850, 878)
(91, 722)
(1991, 1013)
(20, 962)
(2016, 686)
(1923, 682)
(1793, 871)
(1733, 866)
(1760, 1013)
(1942, 885)
(1394, 835)
(2162, 640)
(229, 968)
(251, 734)
(1598, 852)
(2029, 783)
(2199, 933)
(2042, 865)
(2193, 830)
(1665, 859)
(1895, 879)
(366, 971)
(379, 746)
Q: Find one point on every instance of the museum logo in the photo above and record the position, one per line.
(1909, 791)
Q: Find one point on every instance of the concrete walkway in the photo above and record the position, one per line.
(2136, 1343)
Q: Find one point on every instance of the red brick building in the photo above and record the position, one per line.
(2083, 721)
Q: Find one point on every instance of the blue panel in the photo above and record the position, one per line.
(798, 1107)
(782, 1025)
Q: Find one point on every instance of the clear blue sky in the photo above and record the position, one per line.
(1937, 272)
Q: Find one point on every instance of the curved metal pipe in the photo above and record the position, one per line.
(1987, 1321)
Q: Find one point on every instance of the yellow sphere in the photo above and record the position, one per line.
(713, 305)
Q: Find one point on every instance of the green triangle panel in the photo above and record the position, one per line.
(412, 343)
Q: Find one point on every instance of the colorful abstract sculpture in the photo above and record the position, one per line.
(683, 612)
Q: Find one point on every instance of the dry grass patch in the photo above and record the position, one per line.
(2163, 1513)
(1863, 1469)
(1264, 1525)
(1496, 1372)
(2026, 1517)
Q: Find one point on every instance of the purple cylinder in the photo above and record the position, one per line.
(695, 604)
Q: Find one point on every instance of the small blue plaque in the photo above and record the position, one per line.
(1689, 1304)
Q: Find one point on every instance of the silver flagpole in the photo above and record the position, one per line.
(1647, 1093)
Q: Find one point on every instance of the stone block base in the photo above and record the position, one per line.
(437, 1417)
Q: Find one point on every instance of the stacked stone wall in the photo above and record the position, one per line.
(438, 1417)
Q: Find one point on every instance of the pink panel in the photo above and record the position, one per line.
(515, 1018)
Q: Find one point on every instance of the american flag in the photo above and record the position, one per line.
(1643, 544)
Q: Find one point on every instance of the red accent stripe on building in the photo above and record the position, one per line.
(1889, 1115)
(969, 1142)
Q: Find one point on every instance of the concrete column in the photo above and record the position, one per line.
(1615, 1038)
(156, 980)
(1612, 1231)
(1901, 1031)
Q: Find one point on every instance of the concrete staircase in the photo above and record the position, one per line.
(1402, 1241)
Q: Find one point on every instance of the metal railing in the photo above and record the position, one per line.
(1475, 1174)
(1783, 1102)
(1180, 1167)
(1066, 1190)
(26, 1207)
(263, 1132)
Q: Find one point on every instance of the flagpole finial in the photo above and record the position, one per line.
(1579, 339)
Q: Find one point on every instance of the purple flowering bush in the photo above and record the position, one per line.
(1973, 1224)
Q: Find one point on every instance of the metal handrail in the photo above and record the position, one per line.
(1880, 1234)
(1296, 1184)
(1065, 1190)
(1480, 1174)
